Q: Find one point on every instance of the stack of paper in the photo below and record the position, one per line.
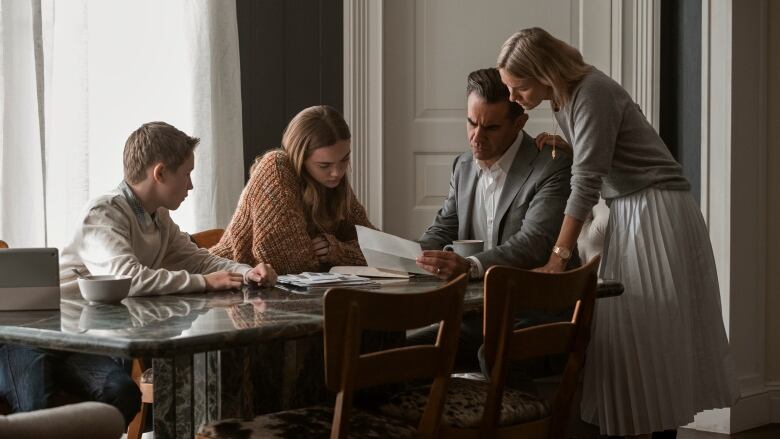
(358, 270)
(310, 280)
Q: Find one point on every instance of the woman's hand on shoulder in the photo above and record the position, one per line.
(547, 139)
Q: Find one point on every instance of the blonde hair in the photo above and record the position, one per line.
(534, 53)
(313, 128)
(155, 142)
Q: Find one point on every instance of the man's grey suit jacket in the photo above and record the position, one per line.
(529, 212)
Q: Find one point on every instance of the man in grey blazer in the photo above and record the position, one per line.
(506, 192)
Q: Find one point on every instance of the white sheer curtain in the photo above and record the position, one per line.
(21, 165)
(110, 66)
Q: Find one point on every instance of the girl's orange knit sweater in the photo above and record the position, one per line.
(270, 225)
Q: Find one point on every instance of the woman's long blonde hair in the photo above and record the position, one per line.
(313, 128)
(534, 53)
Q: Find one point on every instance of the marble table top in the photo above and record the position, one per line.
(163, 326)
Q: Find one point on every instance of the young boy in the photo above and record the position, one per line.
(127, 231)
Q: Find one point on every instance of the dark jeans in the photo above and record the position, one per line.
(30, 376)
(470, 356)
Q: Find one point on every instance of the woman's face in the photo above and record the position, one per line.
(527, 92)
(327, 165)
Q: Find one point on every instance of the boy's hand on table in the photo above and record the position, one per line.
(223, 280)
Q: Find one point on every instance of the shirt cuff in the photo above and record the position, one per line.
(200, 281)
(480, 270)
(244, 269)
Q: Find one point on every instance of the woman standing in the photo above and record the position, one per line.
(298, 211)
(659, 353)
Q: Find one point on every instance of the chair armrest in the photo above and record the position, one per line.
(85, 420)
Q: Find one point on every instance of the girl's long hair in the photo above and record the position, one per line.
(313, 128)
(534, 53)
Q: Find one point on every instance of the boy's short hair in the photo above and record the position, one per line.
(155, 142)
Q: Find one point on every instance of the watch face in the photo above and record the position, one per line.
(563, 253)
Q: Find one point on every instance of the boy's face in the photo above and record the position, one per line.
(176, 183)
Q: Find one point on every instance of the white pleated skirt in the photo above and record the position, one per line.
(659, 353)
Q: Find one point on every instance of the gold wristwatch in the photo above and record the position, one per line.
(562, 252)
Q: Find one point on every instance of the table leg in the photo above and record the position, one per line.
(206, 371)
(237, 387)
(186, 389)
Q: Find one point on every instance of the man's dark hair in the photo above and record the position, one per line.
(486, 83)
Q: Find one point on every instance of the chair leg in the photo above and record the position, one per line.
(136, 427)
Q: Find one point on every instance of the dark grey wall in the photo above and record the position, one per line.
(291, 58)
(680, 114)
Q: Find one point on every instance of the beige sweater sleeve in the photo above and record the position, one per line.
(105, 246)
(161, 260)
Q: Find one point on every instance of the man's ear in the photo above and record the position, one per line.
(521, 120)
(158, 171)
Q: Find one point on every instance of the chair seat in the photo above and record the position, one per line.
(310, 422)
(465, 403)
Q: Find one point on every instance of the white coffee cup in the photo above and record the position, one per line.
(466, 247)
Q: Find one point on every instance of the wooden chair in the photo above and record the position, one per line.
(207, 238)
(489, 409)
(348, 313)
(141, 374)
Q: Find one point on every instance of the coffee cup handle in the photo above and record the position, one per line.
(449, 248)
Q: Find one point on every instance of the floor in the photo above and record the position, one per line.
(771, 431)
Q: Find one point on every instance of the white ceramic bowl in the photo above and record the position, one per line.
(104, 289)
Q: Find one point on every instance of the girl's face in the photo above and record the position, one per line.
(527, 92)
(327, 165)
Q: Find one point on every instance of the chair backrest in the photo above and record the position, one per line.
(207, 238)
(349, 312)
(84, 420)
(509, 291)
